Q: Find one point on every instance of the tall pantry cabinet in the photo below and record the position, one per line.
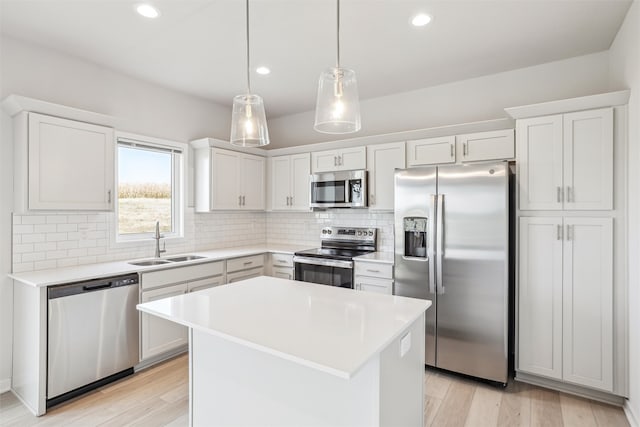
(571, 315)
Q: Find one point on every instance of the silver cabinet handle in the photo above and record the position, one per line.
(464, 149)
(559, 232)
(109, 196)
(339, 160)
(282, 261)
(372, 199)
(569, 194)
(291, 200)
(335, 160)
(239, 200)
(287, 200)
(373, 271)
(569, 232)
(248, 263)
(452, 152)
(560, 194)
(243, 202)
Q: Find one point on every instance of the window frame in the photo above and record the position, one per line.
(178, 185)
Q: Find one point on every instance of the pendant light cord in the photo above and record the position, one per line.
(338, 33)
(248, 64)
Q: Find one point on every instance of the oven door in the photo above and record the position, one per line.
(324, 271)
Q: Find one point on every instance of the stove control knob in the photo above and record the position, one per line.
(370, 232)
(324, 231)
(328, 231)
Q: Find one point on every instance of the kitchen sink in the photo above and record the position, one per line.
(184, 258)
(149, 262)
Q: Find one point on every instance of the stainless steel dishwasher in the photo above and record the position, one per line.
(92, 335)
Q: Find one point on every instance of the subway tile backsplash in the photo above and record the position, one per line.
(42, 241)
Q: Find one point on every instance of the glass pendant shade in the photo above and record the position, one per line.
(337, 105)
(248, 121)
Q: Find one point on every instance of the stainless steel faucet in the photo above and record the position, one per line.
(159, 236)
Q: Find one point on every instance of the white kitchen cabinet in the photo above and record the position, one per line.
(158, 335)
(209, 282)
(565, 161)
(245, 268)
(431, 151)
(290, 182)
(481, 146)
(282, 266)
(228, 180)
(339, 160)
(70, 164)
(382, 160)
(565, 299)
(373, 277)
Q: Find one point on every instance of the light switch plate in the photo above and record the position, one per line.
(405, 344)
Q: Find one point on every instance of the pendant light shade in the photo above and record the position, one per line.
(248, 119)
(337, 104)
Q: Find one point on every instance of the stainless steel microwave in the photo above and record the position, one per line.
(344, 189)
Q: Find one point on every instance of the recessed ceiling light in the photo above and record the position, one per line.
(263, 70)
(420, 20)
(147, 11)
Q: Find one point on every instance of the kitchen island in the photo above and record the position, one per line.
(270, 351)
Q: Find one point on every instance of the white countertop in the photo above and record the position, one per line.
(331, 329)
(56, 276)
(379, 257)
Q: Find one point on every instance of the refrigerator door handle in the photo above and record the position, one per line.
(440, 245)
(431, 243)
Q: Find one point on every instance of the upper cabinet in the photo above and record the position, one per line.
(472, 147)
(70, 164)
(339, 160)
(228, 180)
(290, 182)
(566, 161)
(382, 161)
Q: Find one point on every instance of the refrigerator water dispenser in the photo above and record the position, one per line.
(415, 237)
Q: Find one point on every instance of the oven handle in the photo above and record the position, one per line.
(324, 262)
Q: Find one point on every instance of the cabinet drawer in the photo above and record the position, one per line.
(283, 272)
(482, 146)
(370, 284)
(245, 274)
(245, 263)
(384, 271)
(209, 282)
(155, 279)
(282, 260)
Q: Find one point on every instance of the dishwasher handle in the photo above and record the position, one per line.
(94, 285)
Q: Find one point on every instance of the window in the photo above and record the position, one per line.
(149, 189)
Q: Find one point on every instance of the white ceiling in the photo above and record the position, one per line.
(197, 46)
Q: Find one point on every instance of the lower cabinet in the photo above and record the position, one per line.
(565, 300)
(158, 335)
(282, 266)
(373, 277)
(245, 268)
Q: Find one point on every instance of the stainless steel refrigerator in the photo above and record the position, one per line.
(452, 247)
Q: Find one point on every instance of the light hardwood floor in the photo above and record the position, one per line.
(158, 396)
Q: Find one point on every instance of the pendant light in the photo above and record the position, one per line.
(337, 106)
(248, 119)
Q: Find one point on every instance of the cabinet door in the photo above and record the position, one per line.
(588, 159)
(539, 159)
(282, 272)
(159, 335)
(352, 158)
(431, 151)
(588, 302)
(225, 179)
(280, 185)
(495, 145)
(540, 296)
(253, 182)
(209, 282)
(70, 164)
(324, 161)
(300, 187)
(245, 274)
(382, 160)
(370, 284)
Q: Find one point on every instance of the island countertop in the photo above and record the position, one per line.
(330, 329)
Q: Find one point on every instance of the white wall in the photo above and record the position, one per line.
(625, 72)
(481, 98)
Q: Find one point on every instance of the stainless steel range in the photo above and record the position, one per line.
(332, 263)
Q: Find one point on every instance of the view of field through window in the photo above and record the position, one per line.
(144, 190)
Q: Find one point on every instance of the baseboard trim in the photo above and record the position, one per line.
(631, 416)
(5, 385)
(600, 396)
